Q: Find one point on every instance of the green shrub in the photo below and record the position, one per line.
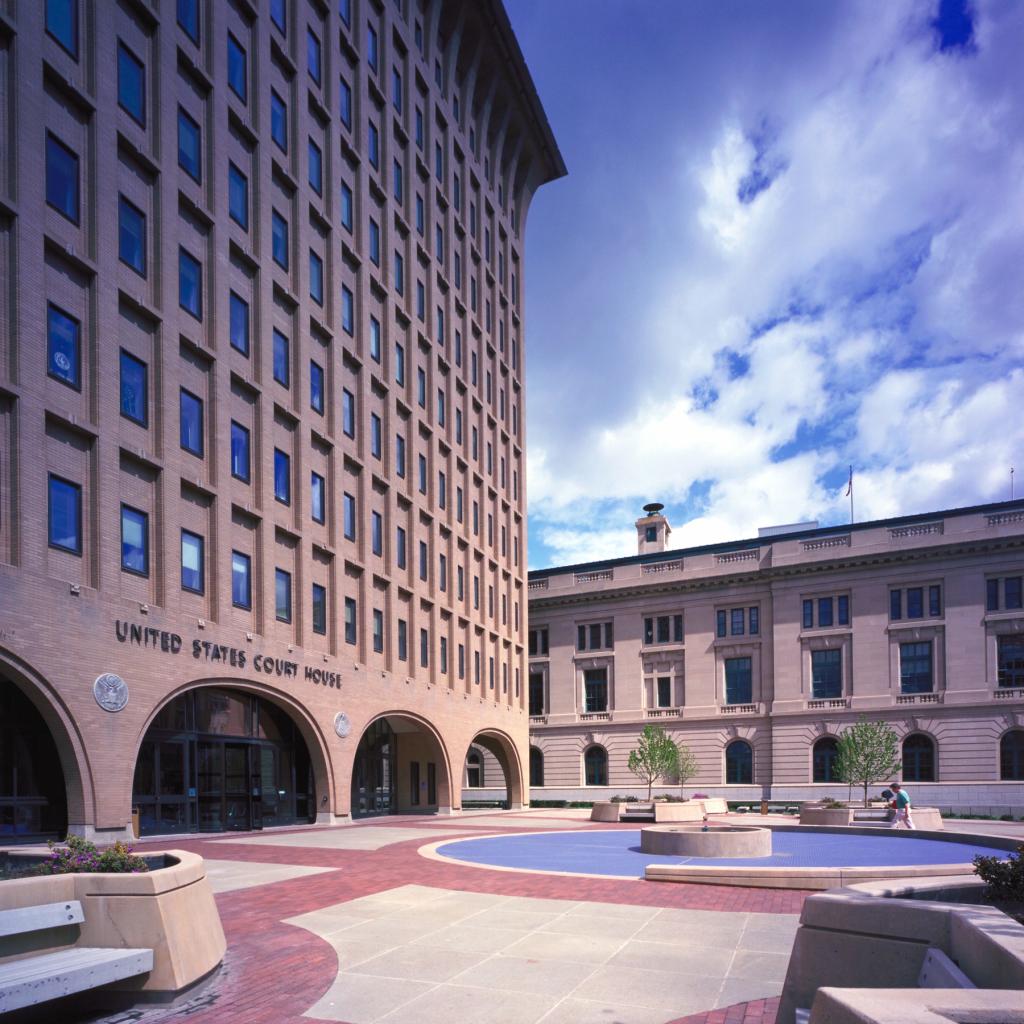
(81, 857)
(1005, 878)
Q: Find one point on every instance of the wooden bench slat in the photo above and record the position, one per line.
(39, 979)
(23, 920)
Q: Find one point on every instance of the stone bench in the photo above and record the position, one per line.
(37, 979)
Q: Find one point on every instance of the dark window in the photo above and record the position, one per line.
(824, 611)
(400, 548)
(238, 197)
(189, 146)
(378, 631)
(843, 610)
(282, 362)
(349, 516)
(595, 766)
(808, 619)
(664, 691)
(1011, 756)
(317, 498)
(347, 212)
(350, 620)
(241, 580)
(237, 70)
(279, 15)
(934, 601)
(595, 637)
(720, 622)
(282, 477)
(188, 18)
(739, 764)
(1010, 658)
(403, 640)
(1012, 592)
(278, 121)
(992, 595)
(648, 631)
(677, 629)
(536, 693)
(279, 239)
(372, 52)
(132, 236)
(319, 609)
(345, 102)
(373, 145)
(239, 326)
(916, 667)
(826, 751)
(134, 388)
(536, 767)
(65, 515)
(316, 387)
(396, 89)
(61, 178)
(191, 423)
(62, 23)
(425, 650)
(316, 168)
(282, 595)
(190, 284)
(581, 638)
(374, 339)
(131, 84)
(348, 412)
(134, 541)
(895, 604)
(374, 242)
(348, 310)
(595, 687)
(918, 759)
(193, 559)
(239, 451)
(736, 622)
(316, 278)
(755, 621)
(663, 629)
(63, 347)
(915, 603)
(313, 61)
(739, 687)
(376, 533)
(399, 455)
(826, 674)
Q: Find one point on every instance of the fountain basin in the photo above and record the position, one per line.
(709, 841)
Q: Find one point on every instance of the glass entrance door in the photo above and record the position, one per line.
(237, 783)
(373, 777)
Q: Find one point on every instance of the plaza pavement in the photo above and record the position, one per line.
(352, 924)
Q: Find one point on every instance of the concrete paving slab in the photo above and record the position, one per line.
(358, 999)
(759, 966)
(467, 938)
(677, 926)
(695, 959)
(769, 932)
(448, 1003)
(521, 974)
(582, 949)
(419, 963)
(505, 916)
(232, 875)
(586, 1011)
(741, 990)
(676, 994)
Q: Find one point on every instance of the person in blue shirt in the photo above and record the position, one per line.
(901, 801)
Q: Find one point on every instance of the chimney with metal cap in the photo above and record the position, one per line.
(652, 529)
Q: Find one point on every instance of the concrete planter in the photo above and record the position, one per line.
(815, 814)
(170, 910)
(692, 810)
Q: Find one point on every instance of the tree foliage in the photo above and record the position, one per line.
(686, 765)
(868, 752)
(655, 756)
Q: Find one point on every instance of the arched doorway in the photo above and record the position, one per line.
(400, 767)
(475, 777)
(536, 766)
(217, 760)
(1011, 756)
(500, 775)
(33, 796)
(595, 766)
(826, 750)
(739, 763)
(918, 758)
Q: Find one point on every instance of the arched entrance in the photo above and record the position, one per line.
(216, 759)
(400, 767)
(33, 796)
(492, 765)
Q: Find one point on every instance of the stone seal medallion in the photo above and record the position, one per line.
(342, 726)
(110, 691)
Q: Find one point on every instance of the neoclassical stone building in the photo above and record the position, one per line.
(757, 653)
(262, 536)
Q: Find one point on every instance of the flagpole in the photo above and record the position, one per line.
(849, 491)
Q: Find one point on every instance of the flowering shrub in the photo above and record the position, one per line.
(81, 856)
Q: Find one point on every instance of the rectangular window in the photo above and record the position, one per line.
(316, 168)
(313, 57)
(595, 690)
(62, 23)
(237, 69)
(282, 361)
(238, 197)
(189, 146)
(992, 595)
(664, 691)
(241, 580)
(374, 242)
(347, 212)
(736, 624)
(191, 422)
(378, 631)
(403, 640)
(720, 622)
(188, 18)
(372, 49)
(895, 604)
(63, 347)
(808, 614)
(422, 465)
(399, 273)
(316, 278)
(134, 541)
(282, 477)
(239, 324)
(64, 520)
(442, 652)
(134, 389)
(318, 498)
(319, 609)
(373, 145)
(62, 178)
(419, 128)
(278, 15)
(663, 629)
(442, 572)
(279, 240)
(400, 548)
(239, 452)
(738, 681)
(399, 455)
(131, 84)
(1012, 593)
(282, 595)
(350, 620)
(348, 310)
(915, 603)
(916, 667)
(345, 103)
(399, 365)
(934, 601)
(193, 557)
(424, 649)
(1010, 655)
(843, 610)
(421, 215)
(421, 300)
(755, 620)
(423, 560)
(131, 236)
(397, 181)
(279, 121)
(316, 387)
(348, 503)
(190, 284)
(377, 533)
(536, 692)
(375, 339)
(826, 674)
(396, 89)
(348, 412)
(824, 611)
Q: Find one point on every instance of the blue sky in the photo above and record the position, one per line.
(791, 240)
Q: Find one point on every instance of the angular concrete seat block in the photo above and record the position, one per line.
(916, 922)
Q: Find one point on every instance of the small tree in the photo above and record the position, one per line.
(686, 765)
(868, 752)
(656, 755)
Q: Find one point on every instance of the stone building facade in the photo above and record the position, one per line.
(262, 507)
(756, 654)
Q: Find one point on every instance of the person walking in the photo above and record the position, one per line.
(901, 801)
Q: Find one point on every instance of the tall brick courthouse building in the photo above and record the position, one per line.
(262, 507)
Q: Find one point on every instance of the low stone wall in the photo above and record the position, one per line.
(170, 910)
(706, 841)
(928, 818)
(867, 937)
